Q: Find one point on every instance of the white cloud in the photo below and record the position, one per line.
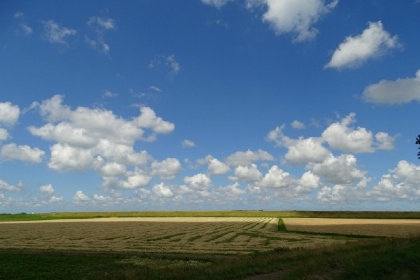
(394, 92)
(148, 119)
(295, 16)
(216, 3)
(52, 109)
(402, 183)
(26, 29)
(248, 157)
(188, 144)
(300, 151)
(9, 113)
(199, 181)
(80, 196)
(308, 181)
(217, 167)
(354, 51)
(167, 169)
(135, 179)
(21, 152)
(341, 136)
(109, 94)
(68, 158)
(230, 192)
(303, 151)
(3, 134)
(113, 169)
(99, 26)
(47, 189)
(56, 34)
(277, 178)
(162, 190)
(249, 174)
(48, 192)
(18, 15)
(4, 186)
(298, 125)
(341, 170)
(167, 63)
(98, 140)
(384, 141)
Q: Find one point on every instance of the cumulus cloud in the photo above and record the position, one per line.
(307, 150)
(97, 139)
(4, 186)
(294, 16)
(48, 192)
(354, 51)
(216, 3)
(394, 92)
(341, 170)
(401, 183)
(298, 125)
(162, 190)
(248, 157)
(56, 34)
(80, 196)
(3, 134)
(248, 174)
(341, 136)
(26, 29)
(99, 26)
(215, 166)
(300, 151)
(198, 182)
(21, 152)
(9, 113)
(277, 178)
(167, 169)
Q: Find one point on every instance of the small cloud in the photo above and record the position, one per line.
(167, 63)
(216, 3)
(298, 125)
(109, 94)
(354, 51)
(18, 15)
(56, 34)
(154, 88)
(188, 144)
(291, 16)
(26, 29)
(394, 92)
(99, 26)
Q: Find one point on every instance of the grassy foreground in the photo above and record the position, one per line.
(377, 258)
(367, 259)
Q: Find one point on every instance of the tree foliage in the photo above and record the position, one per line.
(418, 143)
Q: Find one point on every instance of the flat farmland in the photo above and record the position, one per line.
(370, 227)
(186, 235)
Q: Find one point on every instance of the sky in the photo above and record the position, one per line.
(209, 105)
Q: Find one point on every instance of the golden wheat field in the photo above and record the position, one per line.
(157, 235)
(370, 227)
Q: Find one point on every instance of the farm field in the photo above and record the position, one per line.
(370, 227)
(194, 235)
(210, 245)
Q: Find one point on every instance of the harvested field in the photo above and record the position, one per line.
(156, 235)
(370, 227)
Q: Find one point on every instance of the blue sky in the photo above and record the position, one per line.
(209, 105)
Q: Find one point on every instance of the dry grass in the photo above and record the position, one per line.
(156, 235)
(371, 227)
